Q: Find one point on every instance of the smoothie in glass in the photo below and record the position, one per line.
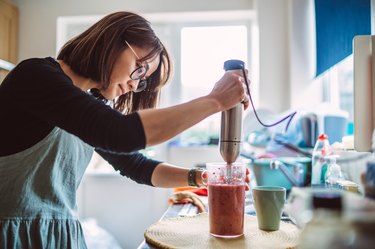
(226, 198)
(226, 210)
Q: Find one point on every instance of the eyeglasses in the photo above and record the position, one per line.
(139, 73)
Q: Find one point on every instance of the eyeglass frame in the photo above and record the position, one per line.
(142, 84)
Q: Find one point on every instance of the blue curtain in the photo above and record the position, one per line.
(337, 22)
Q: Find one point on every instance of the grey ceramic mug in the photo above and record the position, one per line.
(269, 203)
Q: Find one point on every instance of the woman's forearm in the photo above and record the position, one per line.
(170, 176)
(162, 124)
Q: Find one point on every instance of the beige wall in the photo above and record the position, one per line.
(38, 17)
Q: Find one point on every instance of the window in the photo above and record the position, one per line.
(200, 43)
(203, 52)
(338, 88)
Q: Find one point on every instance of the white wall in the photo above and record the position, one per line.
(274, 54)
(305, 91)
(287, 55)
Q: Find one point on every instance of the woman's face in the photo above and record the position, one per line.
(125, 64)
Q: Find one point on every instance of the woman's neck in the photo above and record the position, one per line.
(81, 82)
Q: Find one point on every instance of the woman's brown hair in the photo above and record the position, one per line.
(93, 53)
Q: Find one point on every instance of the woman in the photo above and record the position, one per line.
(55, 112)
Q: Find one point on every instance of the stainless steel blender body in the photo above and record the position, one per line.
(231, 123)
(230, 135)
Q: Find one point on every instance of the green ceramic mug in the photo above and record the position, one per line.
(269, 203)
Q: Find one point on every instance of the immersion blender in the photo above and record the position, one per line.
(231, 123)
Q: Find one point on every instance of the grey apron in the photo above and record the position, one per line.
(38, 193)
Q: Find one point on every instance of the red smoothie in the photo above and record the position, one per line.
(226, 209)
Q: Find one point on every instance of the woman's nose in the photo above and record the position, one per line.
(133, 84)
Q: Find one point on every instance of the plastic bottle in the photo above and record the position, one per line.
(334, 173)
(321, 150)
(327, 229)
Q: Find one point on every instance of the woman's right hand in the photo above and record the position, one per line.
(230, 90)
